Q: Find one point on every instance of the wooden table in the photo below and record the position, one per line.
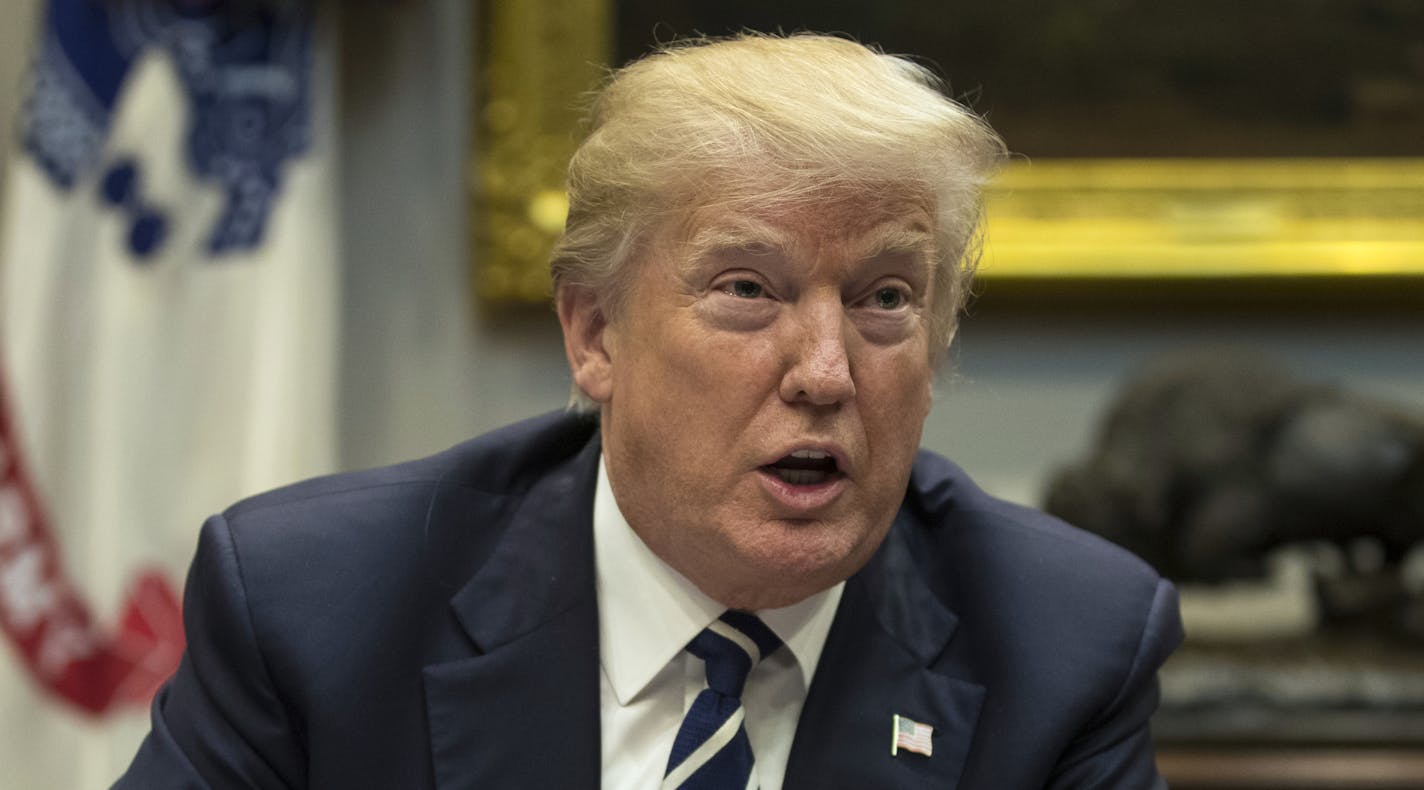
(1262, 768)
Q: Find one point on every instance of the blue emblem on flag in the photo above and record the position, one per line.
(245, 71)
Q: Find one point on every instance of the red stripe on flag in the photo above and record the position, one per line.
(44, 618)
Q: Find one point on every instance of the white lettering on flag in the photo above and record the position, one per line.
(14, 516)
(25, 594)
(65, 643)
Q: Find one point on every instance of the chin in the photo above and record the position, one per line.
(778, 574)
(761, 600)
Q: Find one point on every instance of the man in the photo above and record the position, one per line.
(737, 570)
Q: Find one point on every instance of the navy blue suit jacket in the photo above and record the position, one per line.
(434, 624)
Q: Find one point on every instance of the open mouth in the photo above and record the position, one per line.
(804, 468)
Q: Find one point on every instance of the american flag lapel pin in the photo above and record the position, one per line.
(910, 735)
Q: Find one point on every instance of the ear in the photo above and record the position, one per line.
(584, 324)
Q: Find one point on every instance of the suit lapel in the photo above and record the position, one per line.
(883, 657)
(531, 679)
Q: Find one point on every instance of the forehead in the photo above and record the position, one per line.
(853, 226)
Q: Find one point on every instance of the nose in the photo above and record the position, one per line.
(818, 369)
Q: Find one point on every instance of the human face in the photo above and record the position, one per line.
(747, 339)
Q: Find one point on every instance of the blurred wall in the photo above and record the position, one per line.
(16, 39)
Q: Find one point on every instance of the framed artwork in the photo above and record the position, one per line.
(1153, 141)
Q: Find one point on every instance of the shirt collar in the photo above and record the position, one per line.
(648, 612)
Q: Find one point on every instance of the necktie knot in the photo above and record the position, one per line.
(730, 647)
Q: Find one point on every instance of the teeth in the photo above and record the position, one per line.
(801, 477)
(816, 455)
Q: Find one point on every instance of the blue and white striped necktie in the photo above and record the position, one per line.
(711, 751)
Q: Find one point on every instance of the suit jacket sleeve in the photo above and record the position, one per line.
(1115, 750)
(219, 722)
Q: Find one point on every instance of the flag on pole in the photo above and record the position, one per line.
(168, 293)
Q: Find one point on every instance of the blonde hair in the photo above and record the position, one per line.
(775, 122)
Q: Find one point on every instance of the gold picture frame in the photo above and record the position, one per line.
(533, 59)
(1174, 219)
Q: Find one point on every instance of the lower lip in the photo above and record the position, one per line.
(803, 499)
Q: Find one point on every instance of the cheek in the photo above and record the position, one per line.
(896, 394)
(715, 368)
(683, 393)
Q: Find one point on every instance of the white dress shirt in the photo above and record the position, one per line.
(647, 613)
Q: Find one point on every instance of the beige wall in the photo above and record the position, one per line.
(16, 39)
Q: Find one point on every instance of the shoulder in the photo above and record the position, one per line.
(1065, 630)
(505, 462)
(1024, 583)
(418, 529)
(956, 515)
(368, 558)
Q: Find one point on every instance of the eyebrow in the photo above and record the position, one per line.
(751, 236)
(896, 240)
(891, 241)
(746, 236)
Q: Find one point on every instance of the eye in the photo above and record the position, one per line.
(744, 289)
(888, 298)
